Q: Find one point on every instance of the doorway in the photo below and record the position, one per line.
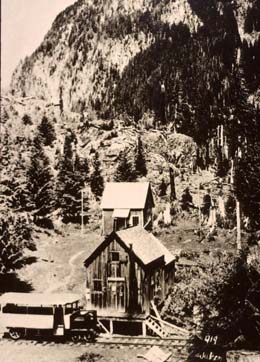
(117, 294)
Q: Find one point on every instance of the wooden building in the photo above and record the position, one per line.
(127, 271)
(126, 204)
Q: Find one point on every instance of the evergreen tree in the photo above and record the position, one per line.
(6, 158)
(124, 171)
(39, 184)
(15, 236)
(72, 175)
(82, 166)
(47, 132)
(96, 179)
(14, 186)
(140, 164)
(5, 149)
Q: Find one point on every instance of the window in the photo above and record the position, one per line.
(114, 255)
(41, 311)
(97, 285)
(119, 223)
(135, 220)
(14, 309)
(71, 307)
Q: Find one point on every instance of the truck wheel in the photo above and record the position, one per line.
(15, 334)
(75, 338)
(90, 336)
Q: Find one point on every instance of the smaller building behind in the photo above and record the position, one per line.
(126, 204)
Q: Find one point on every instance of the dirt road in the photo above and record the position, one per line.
(59, 266)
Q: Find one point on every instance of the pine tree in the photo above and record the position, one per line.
(72, 175)
(82, 166)
(47, 131)
(96, 179)
(140, 164)
(124, 171)
(39, 184)
(15, 236)
(14, 187)
(5, 144)
(64, 184)
(7, 155)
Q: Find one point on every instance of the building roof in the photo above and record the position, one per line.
(125, 195)
(38, 299)
(145, 246)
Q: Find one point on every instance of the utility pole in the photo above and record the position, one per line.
(82, 211)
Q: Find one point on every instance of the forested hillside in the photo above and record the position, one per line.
(165, 91)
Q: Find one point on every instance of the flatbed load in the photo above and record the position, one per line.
(23, 314)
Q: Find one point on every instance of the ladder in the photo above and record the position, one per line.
(155, 327)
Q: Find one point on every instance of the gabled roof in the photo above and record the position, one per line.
(146, 248)
(145, 245)
(126, 195)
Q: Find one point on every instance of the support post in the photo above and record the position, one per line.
(111, 326)
(144, 329)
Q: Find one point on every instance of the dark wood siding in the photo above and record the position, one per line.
(108, 281)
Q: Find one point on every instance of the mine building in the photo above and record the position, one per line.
(127, 271)
(126, 204)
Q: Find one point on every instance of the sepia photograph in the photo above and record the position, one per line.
(130, 181)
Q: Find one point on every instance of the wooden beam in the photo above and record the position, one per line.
(103, 327)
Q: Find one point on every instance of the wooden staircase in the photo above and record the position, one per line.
(155, 327)
(162, 328)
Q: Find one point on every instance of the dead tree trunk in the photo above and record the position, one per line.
(172, 185)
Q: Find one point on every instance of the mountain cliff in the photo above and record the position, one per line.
(89, 42)
(112, 56)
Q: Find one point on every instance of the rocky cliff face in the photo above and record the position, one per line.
(181, 60)
(88, 42)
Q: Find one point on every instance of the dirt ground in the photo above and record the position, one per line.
(22, 352)
(59, 260)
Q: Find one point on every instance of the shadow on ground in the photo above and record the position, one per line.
(12, 283)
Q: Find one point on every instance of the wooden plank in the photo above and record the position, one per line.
(102, 326)
(156, 311)
(172, 326)
(155, 354)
